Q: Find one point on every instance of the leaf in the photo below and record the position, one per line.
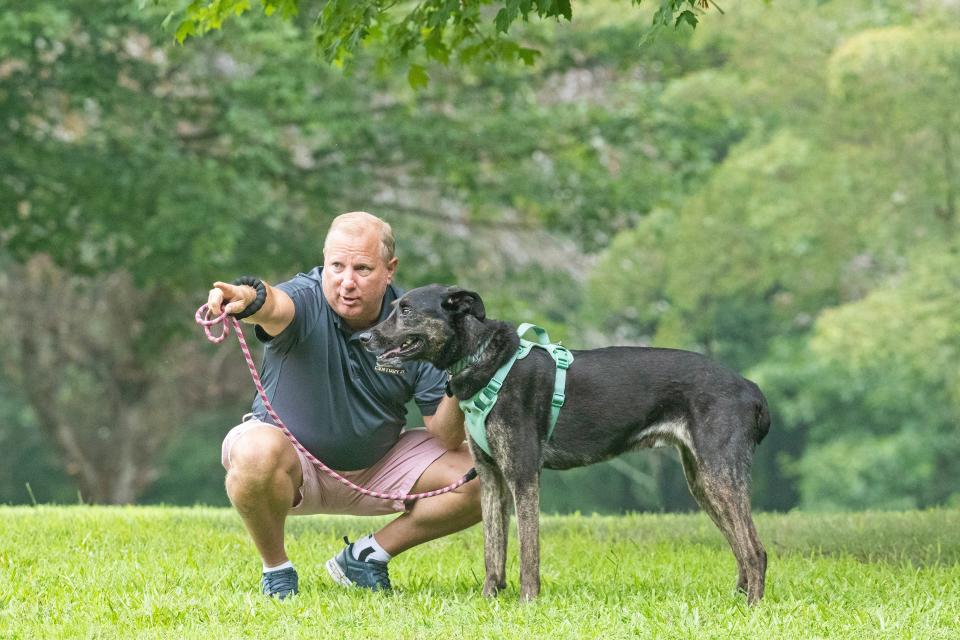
(687, 16)
(527, 55)
(561, 8)
(184, 30)
(436, 48)
(503, 20)
(417, 77)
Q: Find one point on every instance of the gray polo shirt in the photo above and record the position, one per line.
(329, 391)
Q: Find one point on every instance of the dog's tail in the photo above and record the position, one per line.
(762, 425)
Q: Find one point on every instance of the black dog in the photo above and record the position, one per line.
(617, 399)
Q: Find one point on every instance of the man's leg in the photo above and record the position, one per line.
(364, 563)
(438, 516)
(263, 482)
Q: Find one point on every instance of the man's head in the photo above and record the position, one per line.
(358, 265)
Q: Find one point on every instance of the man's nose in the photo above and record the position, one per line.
(348, 280)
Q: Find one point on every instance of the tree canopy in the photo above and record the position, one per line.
(441, 31)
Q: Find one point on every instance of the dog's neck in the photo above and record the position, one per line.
(494, 344)
(471, 359)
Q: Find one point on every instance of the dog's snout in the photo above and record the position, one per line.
(365, 338)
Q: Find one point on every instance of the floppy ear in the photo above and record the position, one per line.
(460, 302)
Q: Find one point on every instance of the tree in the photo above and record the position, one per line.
(118, 200)
(138, 173)
(890, 436)
(832, 190)
(434, 30)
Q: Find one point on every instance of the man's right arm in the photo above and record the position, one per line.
(274, 316)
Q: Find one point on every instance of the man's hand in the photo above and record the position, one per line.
(237, 297)
(274, 316)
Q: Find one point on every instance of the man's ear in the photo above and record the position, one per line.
(461, 302)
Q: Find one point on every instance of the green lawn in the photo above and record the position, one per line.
(94, 572)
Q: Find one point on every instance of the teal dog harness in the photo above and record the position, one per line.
(477, 408)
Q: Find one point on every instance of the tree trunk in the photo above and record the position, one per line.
(99, 395)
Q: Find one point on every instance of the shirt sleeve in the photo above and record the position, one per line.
(430, 388)
(306, 313)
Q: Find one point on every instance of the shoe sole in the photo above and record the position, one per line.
(337, 574)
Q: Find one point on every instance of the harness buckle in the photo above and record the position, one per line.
(557, 401)
(563, 358)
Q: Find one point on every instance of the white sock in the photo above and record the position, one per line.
(279, 567)
(376, 552)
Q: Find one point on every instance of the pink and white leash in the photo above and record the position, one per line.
(203, 319)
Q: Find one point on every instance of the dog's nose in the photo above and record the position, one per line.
(365, 338)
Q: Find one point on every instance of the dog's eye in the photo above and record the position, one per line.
(404, 311)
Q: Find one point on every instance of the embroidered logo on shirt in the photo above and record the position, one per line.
(385, 369)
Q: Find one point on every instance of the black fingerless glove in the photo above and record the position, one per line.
(254, 306)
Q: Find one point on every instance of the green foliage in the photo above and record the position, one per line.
(435, 30)
(160, 572)
(893, 352)
(776, 188)
(29, 468)
(831, 207)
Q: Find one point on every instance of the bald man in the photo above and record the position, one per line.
(346, 409)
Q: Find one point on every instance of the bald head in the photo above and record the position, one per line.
(360, 223)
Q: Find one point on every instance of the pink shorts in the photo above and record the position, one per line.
(397, 471)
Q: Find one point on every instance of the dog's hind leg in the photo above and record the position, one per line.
(495, 505)
(721, 486)
(526, 494)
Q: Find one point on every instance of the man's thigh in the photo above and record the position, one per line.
(399, 471)
(445, 470)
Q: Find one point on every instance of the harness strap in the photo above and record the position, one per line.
(477, 408)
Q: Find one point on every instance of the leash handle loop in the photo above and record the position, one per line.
(204, 320)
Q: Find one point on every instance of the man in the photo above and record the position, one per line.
(347, 410)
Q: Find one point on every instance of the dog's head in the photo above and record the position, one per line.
(424, 326)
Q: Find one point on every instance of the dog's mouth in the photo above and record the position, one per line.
(410, 347)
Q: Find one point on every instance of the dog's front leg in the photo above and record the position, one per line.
(526, 493)
(495, 506)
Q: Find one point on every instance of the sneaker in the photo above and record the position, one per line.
(369, 574)
(281, 583)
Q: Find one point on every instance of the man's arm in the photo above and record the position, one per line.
(447, 423)
(274, 316)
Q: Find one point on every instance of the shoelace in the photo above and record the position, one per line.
(378, 570)
(379, 573)
(280, 581)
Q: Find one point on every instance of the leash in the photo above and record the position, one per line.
(203, 319)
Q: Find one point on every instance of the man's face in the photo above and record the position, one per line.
(355, 276)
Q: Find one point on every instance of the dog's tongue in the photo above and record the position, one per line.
(386, 355)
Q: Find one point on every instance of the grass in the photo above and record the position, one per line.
(157, 572)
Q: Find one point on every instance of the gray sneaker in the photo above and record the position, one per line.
(281, 583)
(369, 574)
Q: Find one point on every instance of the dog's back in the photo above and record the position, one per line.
(620, 398)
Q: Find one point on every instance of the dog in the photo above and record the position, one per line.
(617, 399)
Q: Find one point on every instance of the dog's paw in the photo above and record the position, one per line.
(492, 586)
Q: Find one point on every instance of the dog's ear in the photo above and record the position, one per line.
(460, 302)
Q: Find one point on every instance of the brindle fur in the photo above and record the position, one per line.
(617, 399)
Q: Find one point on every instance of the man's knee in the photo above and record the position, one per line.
(260, 453)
